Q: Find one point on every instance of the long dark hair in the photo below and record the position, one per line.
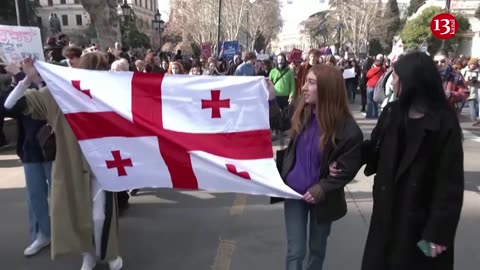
(421, 84)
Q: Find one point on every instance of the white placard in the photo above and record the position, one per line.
(19, 42)
(349, 73)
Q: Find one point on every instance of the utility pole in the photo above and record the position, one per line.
(447, 8)
(219, 25)
(248, 27)
(17, 9)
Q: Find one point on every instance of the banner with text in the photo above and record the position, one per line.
(18, 42)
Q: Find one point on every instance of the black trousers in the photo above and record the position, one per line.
(122, 198)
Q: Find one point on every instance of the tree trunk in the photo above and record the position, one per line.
(104, 17)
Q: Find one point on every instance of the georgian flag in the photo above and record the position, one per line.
(140, 130)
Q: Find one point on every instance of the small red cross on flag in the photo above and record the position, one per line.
(119, 163)
(76, 84)
(215, 103)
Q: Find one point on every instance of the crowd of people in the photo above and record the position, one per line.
(415, 151)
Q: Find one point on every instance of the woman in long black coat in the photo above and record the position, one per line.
(416, 153)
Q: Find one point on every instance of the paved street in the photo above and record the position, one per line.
(175, 230)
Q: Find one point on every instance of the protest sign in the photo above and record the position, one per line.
(349, 73)
(18, 42)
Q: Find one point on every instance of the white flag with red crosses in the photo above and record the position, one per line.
(140, 130)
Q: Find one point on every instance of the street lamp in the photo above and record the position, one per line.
(126, 9)
(158, 25)
(248, 25)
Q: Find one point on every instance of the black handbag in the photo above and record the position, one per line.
(46, 140)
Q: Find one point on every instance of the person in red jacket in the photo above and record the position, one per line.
(373, 75)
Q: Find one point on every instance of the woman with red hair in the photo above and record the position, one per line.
(176, 68)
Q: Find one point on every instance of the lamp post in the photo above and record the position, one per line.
(126, 10)
(447, 9)
(158, 25)
(219, 25)
(248, 25)
(126, 13)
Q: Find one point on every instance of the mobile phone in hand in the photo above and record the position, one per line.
(425, 248)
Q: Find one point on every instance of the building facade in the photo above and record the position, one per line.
(75, 20)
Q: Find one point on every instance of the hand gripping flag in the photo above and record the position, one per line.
(140, 130)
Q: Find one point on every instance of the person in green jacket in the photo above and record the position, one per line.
(283, 79)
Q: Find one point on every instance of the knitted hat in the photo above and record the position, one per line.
(473, 61)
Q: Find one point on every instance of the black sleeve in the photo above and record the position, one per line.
(349, 162)
(448, 185)
(17, 110)
(370, 148)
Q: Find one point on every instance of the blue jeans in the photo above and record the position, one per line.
(38, 179)
(297, 213)
(473, 105)
(372, 106)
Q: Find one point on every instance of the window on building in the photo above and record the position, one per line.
(136, 2)
(140, 3)
(64, 20)
(50, 3)
(120, 1)
(63, 2)
(79, 19)
(146, 3)
(151, 5)
(76, 2)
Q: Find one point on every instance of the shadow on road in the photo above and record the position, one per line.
(10, 163)
(472, 181)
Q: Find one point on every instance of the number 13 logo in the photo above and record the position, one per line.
(444, 26)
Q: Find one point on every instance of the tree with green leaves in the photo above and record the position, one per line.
(414, 6)
(318, 27)
(417, 33)
(391, 16)
(131, 36)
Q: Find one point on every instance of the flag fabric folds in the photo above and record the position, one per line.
(141, 130)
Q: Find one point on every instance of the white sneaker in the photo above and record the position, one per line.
(116, 264)
(37, 245)
(89, 262)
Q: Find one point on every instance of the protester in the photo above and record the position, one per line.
(322, 130)
(471, 73)
(452, 80)
(302, 71)
(72, 56)
(416, 153)
(196, 68)
(175, 68)
(120, 65)
(87, 222)
(36, 155)
(247, 68)
(373, 75)
(284, 81)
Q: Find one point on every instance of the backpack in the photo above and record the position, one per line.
(379, 91)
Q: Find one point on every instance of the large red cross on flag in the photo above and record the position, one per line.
(141, 130)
